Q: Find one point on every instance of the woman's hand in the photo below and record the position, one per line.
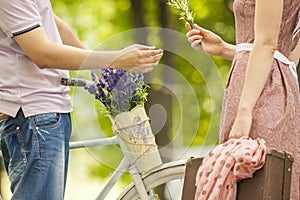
(137, 58)
(211, 43)
(242, 124)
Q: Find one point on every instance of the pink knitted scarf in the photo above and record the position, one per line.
(227, 164)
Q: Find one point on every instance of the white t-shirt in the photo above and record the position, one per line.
(22, 83)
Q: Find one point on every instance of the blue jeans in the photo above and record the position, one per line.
(35, 152)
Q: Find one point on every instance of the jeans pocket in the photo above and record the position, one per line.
(47, 125)
(46, 120)
(49, 132)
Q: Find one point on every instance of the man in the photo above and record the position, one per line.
(36, 50)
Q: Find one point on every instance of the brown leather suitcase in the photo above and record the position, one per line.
(272, 182)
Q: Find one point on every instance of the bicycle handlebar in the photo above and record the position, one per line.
(76, 82)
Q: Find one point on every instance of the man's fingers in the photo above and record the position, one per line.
(137, 58)
(158, 52)
(150, 54)
(155, 52)
(150, 60)
(155, 58)
(144, 47)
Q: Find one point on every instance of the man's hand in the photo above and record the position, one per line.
(138, 58)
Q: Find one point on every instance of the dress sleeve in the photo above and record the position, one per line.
(19, 16)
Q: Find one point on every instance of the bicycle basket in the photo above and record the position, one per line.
(134, 129)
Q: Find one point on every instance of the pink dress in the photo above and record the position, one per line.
(276, 116)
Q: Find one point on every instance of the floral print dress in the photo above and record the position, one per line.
(276, 115)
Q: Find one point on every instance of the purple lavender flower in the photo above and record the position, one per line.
(118, 90)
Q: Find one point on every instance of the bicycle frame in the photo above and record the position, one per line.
(125, 164)
(173, 169)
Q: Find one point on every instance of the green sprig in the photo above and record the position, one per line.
(183, 10)
(139, 97)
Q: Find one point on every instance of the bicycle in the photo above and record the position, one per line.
(144, 183)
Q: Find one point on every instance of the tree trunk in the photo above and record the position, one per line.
(229, 4)
(137, 11)
(168, 58)
(156, 96)
(161, 96)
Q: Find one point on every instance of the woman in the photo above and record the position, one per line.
(36, 50)
(261, 97)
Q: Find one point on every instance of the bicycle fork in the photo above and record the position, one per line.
(139, 185)
(136, 177)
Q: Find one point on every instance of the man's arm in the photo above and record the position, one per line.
(46, 54)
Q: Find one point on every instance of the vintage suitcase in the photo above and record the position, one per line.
(272, 182)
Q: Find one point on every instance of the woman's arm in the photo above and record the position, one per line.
(268, 15)
(211, 43)
(46, 54)
(295, 54)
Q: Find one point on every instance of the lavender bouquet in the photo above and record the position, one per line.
(119, 91)
(123, 94)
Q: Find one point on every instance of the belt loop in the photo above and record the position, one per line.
(3, 116)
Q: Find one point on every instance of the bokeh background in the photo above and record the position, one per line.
(184, 101)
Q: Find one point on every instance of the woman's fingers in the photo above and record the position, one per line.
(195, 38)
(195, 41)
(193, 32)
(188, 26)
(203, 31)
(197, 27)
(197, 45)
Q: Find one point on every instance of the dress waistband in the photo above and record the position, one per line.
(279, 56)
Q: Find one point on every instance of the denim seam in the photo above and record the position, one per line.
(33, 127)
(21, 140)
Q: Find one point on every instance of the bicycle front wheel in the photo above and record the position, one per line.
(164, 182)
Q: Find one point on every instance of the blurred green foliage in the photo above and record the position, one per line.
(95, 21)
